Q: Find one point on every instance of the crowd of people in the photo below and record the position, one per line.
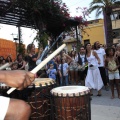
(94, 66)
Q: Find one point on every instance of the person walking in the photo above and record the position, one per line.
(93, 79)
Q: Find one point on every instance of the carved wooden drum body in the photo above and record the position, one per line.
(71, 103)
(37, 95)
(40, 99)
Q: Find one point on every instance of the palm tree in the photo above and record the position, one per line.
(105, 7)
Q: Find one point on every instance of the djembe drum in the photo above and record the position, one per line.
(37, 95)
(71, 103)
(39, 98)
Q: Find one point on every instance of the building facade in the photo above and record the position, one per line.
(94, 32)
(116, 25)
(7, 48)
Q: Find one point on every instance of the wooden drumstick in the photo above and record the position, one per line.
(5, 66)
(42, 64)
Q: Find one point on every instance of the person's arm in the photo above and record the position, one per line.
(17, 78)
(104, 57)
(59, 71)
(104, 54)
(69, 59)
(116, 54)
(55, 71)
(2, 76)
(95, 54)
(67, 68)
(117, 63)
(48, 71)
(39, 53)
(106, 63)
(23, 66)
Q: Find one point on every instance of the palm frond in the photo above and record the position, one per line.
(96, 2)
(95, 7)
(98, 14)
(104, 2)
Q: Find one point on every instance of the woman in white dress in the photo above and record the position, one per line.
(93, 79)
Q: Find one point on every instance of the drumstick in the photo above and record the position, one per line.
(5, 66)
(42, 64)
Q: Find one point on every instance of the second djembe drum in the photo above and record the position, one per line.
(71, 103)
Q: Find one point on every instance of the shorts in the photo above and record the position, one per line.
(4, 103)
(113, 76)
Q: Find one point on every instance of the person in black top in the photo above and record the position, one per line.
(32, 56)
(21, 62)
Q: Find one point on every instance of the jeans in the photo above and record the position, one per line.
(64, 80)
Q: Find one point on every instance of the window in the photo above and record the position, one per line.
(86, 41)
(115, 16)
(116, 33)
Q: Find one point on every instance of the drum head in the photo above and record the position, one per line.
(70, 91)
(43, 81)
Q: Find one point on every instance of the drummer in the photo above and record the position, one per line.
(13, 109)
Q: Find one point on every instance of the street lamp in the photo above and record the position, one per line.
(15, 39)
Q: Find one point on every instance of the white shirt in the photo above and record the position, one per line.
(65, 68)
(101, 52)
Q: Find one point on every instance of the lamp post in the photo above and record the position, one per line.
(15, 39)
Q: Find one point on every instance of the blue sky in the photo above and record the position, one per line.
(73, 4)
(28, 34)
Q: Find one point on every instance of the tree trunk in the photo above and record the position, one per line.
(109, 31)
(108, 27)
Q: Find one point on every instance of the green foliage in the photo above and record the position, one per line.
(42, 39)
(21, 46)
(38, 12)
(21, 49)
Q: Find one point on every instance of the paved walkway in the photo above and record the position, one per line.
(104, 108)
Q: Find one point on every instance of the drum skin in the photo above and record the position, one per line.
(71, 107)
